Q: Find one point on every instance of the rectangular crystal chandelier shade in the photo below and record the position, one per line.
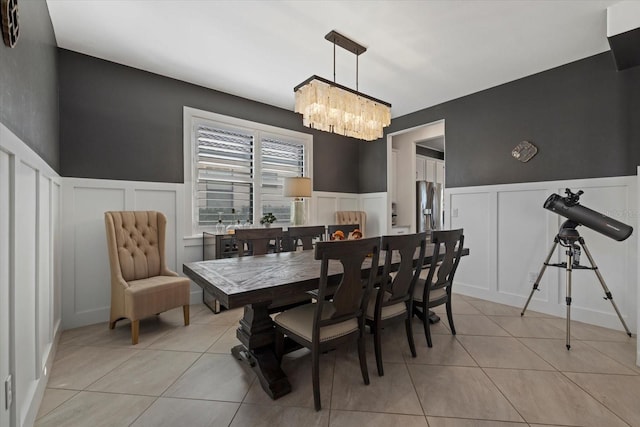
(333, 108)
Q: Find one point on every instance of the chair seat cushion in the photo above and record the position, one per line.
(299, 320)
(388, 311)
(156, 294)
(434, 294)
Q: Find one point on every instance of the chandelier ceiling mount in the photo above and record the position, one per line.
(331, 107)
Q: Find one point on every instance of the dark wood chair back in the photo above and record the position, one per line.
(453, 243)
(400, 287)
(258, 240)
(303, 236)
(350, 297)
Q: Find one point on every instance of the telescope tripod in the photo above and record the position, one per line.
(569, 238)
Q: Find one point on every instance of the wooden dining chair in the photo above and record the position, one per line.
(303, 236)
(325, 324)
(257, 241)
(261, 241)
(393, 300)
(435, 290)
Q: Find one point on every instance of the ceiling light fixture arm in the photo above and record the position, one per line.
(346, 43)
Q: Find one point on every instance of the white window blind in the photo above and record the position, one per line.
(240, 174)
(224, 186)
(278, 159)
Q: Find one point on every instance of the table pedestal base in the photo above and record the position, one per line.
(264, 363)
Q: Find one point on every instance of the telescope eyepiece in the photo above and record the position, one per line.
(572, 198)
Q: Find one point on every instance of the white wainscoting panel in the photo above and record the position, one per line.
(165, 201)
(509, 234)
(25, 291)
(475, 213)
(28, 285)
(519, 224)
(375, 205)
(327, 203)
(86, 291)
(6, 321)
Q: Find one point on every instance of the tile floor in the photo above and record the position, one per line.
(500, 370)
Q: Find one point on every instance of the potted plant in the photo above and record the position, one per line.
(268, 219)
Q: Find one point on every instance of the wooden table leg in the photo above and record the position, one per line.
(257, 335)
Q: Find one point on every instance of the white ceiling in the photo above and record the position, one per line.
(420, 53)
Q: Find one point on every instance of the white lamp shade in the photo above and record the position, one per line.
(299, 186)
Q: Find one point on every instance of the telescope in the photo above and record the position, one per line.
(570, 207)
(568, 237)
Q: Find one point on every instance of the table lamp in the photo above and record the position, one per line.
(297, 187)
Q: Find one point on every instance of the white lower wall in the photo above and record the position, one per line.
(509, 234)
(86, 279)
(325, 204)
(29, 276)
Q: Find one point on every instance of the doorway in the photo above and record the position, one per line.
(412, 154)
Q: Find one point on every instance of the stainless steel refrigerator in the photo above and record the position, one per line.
(429, 206)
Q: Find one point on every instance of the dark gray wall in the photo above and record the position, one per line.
(29, 83)
(122, 123)
(583, 117)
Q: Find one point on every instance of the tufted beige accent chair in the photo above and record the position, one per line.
(141, 283)
(353, 217)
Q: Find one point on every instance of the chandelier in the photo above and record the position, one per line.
(330, 107)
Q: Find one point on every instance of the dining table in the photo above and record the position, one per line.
(261, 284)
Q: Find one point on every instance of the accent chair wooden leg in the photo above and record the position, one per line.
(112, 324)
(185, 311)
(135, 331)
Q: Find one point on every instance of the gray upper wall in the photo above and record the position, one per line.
(583, 117)
(118, 122)
(29, 83)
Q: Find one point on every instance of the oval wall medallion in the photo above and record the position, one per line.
(524, 151)
(10, 27)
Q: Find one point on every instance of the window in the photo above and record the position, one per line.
(238, 169)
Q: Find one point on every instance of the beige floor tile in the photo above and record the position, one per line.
(150, 372)
(194, 337)
(549, 397)
(99, 334)
(461, 422)
(502, 352)
(279, 416)
(175, 316)
(166, 412)
(392, 392)
(76, 367)
(439, 328)
(452, 391)
(619, 393)
(581, 357)
(227, 317)
(623, 352)
(213, 377)
(446, 350)
(298, 371)
(52, 399)
(459, 305)
(495, 309)
(477, 325)
(527, 326)
(583, 331)
(373, 419)
(92, 409)
(226, 342)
